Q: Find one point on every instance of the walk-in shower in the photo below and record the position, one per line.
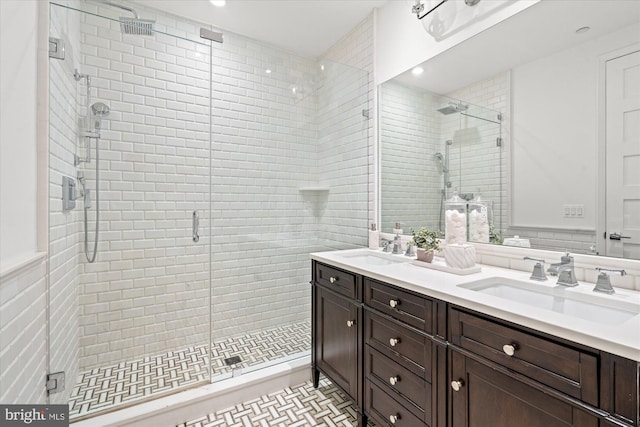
(175, 299)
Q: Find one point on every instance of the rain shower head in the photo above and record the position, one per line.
(452, 107)
(135, 25)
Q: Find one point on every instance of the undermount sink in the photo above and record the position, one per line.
(602, 309)
(375, 258)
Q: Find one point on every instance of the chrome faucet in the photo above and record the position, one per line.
(603, 284)
(567, 275)
(386, 245)
(564, 260)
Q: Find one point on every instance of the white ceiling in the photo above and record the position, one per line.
(306, 27)
(546, 27)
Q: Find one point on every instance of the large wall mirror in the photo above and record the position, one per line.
(540, 115)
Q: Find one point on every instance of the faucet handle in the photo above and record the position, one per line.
(621, 272)
(603, 284)
(538, 269)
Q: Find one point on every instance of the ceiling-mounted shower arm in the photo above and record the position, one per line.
(120, 6)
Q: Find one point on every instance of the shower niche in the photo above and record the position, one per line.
(432, 148)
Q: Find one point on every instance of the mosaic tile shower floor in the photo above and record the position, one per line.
(299, 406)
(104, 388)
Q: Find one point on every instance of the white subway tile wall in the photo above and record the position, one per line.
(23, 335)
(410, 178)
(148, 290)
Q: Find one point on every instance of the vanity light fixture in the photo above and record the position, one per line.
(417, 71)
(419, 9)
(218, 3)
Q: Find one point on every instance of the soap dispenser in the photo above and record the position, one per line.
(374, 237)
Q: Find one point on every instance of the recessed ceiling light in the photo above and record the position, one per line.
(218, 3)
(417, 71)
(582, 30)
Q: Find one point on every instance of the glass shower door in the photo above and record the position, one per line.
(133, 324)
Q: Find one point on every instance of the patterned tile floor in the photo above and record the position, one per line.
(298, 406)
(102, 389)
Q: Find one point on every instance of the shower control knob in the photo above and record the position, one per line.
(393, 303)
(394, 341)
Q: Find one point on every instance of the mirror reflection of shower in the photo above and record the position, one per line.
(443, 166)
(91, 131)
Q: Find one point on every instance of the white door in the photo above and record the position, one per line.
(623, 156)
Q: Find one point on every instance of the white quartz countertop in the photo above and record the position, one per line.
(622, 339)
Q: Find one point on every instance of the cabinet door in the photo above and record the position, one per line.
(482, 396)
(336, 340)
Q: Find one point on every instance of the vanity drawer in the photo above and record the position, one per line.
(386, 410)
(414, 310)
(405, 346)
(340, 281)
(395, 379)
(554, 364)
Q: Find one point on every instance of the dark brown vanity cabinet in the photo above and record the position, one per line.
(337, 329)
(482, 394)
(407, 359)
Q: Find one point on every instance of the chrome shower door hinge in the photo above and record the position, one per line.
(56, 48)
(55, 382)
(211, 35)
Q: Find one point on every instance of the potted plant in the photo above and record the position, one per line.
(427, 243)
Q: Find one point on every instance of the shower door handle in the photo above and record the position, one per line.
(195, 225)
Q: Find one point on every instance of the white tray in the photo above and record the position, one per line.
(439, 264)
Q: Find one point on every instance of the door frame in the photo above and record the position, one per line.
(601, 196)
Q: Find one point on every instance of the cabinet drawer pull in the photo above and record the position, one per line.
(394, 380)
(394, 418)
(394, 303)
(350, 323)
(333, 279)
(394, 341)
(509, 349)
(457, 385)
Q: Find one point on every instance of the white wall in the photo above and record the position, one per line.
(18, 161)
(401, 41)
(555, 133)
